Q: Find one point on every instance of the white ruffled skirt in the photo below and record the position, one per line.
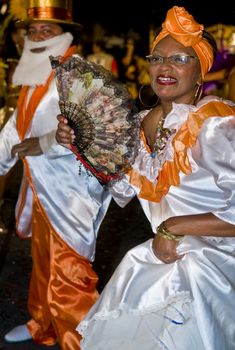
(149, 305)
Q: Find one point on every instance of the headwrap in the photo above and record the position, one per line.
(181, 26)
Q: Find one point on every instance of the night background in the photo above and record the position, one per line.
(122, 228)
(121, 16)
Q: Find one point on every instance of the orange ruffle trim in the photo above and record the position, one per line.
(184, 139)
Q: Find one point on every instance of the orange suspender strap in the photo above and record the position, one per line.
(25, 116)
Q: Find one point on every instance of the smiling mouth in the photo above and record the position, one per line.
(38, 50)
(161, 80)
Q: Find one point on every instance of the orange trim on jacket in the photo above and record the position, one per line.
(24, 119)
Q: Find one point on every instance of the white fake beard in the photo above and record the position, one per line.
(34, 68)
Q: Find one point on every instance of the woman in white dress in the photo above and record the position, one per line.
(177, 291)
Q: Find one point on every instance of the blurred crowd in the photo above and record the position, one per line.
(123, 55)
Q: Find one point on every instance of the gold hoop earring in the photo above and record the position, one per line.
(148, 95)
(198, 94)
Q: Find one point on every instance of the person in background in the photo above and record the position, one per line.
(176, 291)
(80, 47)
(3, 117)
(63, 209)
(216, 81)
(129, 67)
(12, 46)
(231, 85)
(100, 56)
(135, 70)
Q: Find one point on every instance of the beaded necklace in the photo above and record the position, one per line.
(162, 135)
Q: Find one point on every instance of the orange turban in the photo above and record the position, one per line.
(181, 26)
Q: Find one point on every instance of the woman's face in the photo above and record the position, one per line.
(174, 80)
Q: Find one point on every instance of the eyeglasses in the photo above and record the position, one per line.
(178, 60)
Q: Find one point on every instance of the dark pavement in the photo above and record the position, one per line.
(121, 230)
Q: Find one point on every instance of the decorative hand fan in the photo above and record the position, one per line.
(102, 114)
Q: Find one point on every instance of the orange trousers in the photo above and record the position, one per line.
(62, 286)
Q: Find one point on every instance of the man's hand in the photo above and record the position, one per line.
(165, 249)
(28, 147)
(64, 134)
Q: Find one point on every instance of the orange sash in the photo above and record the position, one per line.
(24, 119)
(184, 139)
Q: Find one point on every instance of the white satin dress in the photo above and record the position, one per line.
(189, 304)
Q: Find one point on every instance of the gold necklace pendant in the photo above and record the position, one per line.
(162, 135)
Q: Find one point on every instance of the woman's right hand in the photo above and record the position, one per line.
(64, 134)
(165, 249)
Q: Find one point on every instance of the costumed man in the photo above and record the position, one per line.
(68, 205)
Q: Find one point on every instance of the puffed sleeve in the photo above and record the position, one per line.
(217, 156)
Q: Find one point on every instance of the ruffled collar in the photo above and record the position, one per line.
(187, 120)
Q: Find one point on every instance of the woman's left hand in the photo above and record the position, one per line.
(165, 249)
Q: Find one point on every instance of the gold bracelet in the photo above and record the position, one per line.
(163, 232)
